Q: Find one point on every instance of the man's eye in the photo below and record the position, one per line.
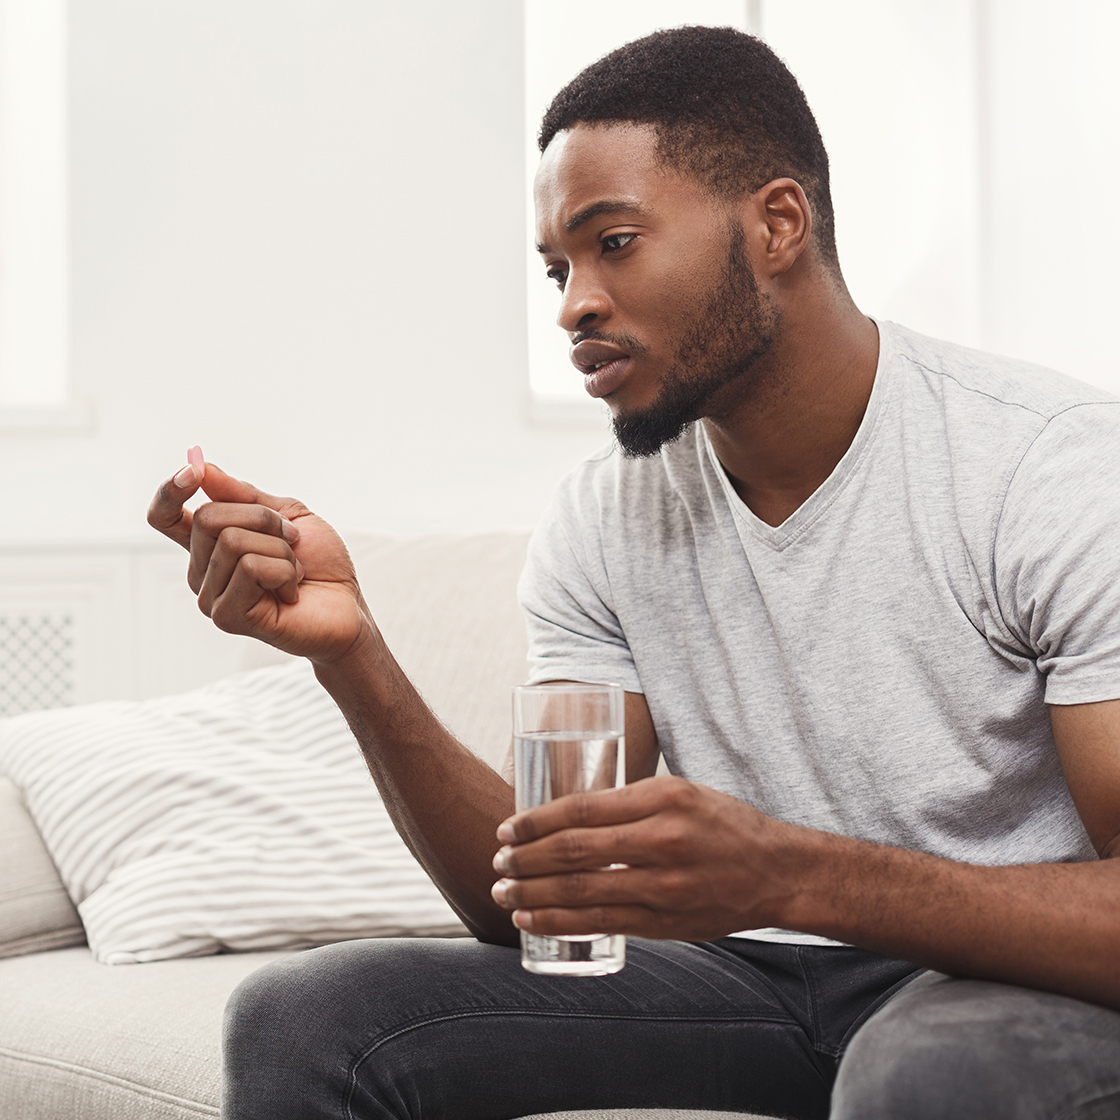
(615, 241)
(558, 276)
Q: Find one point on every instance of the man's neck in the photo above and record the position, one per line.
(779, 448)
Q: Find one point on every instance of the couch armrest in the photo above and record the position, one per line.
(35, 911)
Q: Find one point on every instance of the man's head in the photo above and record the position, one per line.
(675, 177)
(725, 108)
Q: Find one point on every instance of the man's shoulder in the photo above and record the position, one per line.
(951, 369)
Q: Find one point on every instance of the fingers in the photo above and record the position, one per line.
(662, 857)
(248, 601)
(596, 809)
(634, 920)
(167, 512)
(624, 900)
(222, 532)
(237, 505)
(584, 889)
(651, 822)
(569, 904)
(241, 560)
(555, 921)
(654, 842)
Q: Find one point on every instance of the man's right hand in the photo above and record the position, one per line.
(264, 566)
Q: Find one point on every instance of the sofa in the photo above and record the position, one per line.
(139, 881)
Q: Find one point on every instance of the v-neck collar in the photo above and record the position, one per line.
(779, 537)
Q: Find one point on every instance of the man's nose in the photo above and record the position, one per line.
(584, 303)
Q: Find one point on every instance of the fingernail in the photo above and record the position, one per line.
(523, 919)
(291, 533)
(197, 460)
(299, 570)
(505, 833)
(187, 477)
(498, 891)
(501, 860)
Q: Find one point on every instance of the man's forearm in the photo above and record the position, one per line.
(1049, 926)
(445, 802)
(669, 858)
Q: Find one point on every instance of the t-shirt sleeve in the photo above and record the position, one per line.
(1057, 554)
(574, 634)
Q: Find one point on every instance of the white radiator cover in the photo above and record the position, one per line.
(103, 621)
(36, 660)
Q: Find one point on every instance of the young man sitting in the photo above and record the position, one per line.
(863, 591)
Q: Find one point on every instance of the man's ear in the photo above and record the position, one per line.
(783, 224)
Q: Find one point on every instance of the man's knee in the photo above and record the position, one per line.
(297, 1031)
(271, 1043)
(292, 1027)
(258, 1008)
(949, 1048)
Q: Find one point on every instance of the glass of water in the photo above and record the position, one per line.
(568, 738)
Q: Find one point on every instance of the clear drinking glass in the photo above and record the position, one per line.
(568, 738)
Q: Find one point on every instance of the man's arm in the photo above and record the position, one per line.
(444, 802)
(269, 568)
(701, 864)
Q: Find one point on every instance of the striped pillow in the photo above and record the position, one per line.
(238, 816)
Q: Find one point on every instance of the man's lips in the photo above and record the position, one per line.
(602, 364)
(591, 352)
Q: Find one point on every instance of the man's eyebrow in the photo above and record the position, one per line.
(607, 206)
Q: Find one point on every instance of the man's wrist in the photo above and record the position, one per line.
(367, 659)
(833, 881)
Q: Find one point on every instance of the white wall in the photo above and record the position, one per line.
(893, 85)
(975, 151)
(297, 240)
(34, 211)
(1053, 215)
(298, 225)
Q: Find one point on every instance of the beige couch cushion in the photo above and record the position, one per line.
(35, 911)
(78, 1039)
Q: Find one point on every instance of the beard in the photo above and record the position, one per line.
(721, 345)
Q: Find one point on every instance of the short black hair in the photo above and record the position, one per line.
(726, 109)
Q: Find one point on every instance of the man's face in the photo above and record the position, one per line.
(659, 297)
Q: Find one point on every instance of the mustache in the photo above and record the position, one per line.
(623, 341)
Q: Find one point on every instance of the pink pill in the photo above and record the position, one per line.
(196, 460)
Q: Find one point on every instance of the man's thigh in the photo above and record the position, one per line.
(409, 1028)
(948, 1048)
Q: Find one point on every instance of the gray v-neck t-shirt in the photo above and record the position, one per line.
(880, 664)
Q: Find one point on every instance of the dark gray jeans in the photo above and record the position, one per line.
(426, 1029)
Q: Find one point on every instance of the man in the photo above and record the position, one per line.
(861, 589)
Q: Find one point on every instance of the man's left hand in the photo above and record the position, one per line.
(662, 858)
